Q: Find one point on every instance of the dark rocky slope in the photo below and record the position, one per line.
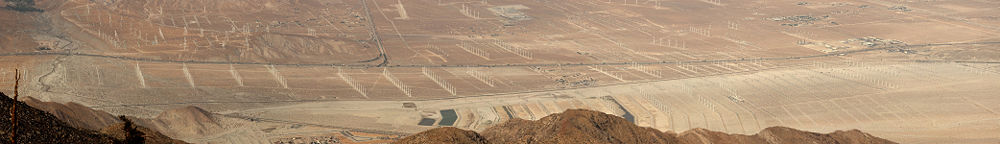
(585, 126)
(38, 126)
(445, 135)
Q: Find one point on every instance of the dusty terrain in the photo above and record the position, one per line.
(586, 126)
(360, 71)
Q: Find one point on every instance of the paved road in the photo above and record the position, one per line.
(312, 124)
(378, 40)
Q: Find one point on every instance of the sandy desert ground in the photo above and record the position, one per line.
(368, 71)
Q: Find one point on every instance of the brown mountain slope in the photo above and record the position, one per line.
(585, 126)
(575, 126)
(186, 122)
(74, 114)
(445, 135)
(37, 126)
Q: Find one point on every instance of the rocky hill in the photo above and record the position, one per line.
(585, 126)
(150, 136)
(183, 122)
(38, 126)
(74, 114)
(446, 135)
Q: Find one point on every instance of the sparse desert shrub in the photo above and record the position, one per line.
(132, 135)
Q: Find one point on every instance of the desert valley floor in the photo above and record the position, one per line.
(371, 70)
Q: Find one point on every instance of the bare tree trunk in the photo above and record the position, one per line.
(13, 108)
